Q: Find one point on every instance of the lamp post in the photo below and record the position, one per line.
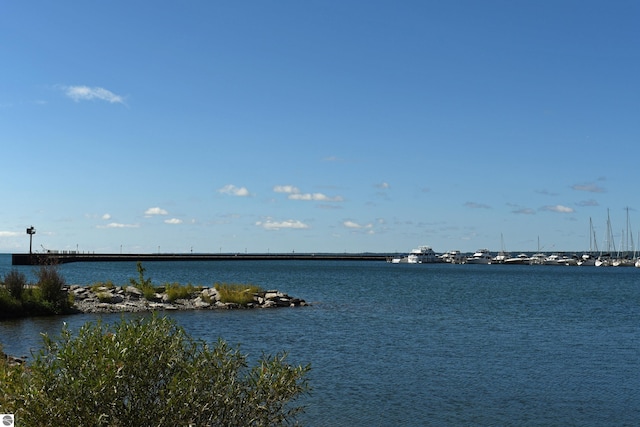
(31, 231)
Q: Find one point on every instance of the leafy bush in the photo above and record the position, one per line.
(45, 298)
(148, 371)
(9, 306)
(50, 283)
(236, 293)
(14, 282)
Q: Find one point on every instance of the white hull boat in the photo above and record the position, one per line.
(481, 256)
(422, 255)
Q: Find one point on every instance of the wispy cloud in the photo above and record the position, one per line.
(232, 190)
(173, 221)
(86, 93)
(557, 208)
(294, 193)
(106, 217)
(590, 187)
(356, 226)
(352, 224)
(474, 205)
(9, 234)
(289, 189)
(589, 202)
(119, 225)
(517, 209)
(155, 211)
(383, 186)
(524, 211)
(270, 224)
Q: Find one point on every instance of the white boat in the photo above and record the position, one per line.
(422, 255)
(627, 248)
(503, 255)
(481, 256)
(520, 259)
(587, 260)
(570, 260)
(501, 258)
(638, 263)
(398, 259)
(453, 257)
(553, 259)
(537, 259)
(605, 259)
(623, 262)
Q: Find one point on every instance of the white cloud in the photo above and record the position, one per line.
(351, 224)
(289, 189)
(173, 221)
(294, 193)
(269, 224)
(9, 234)
(557, 208)
(119, 225)
(86, 93)
(355, 226)
(317, 197)
(106, 217)
(155, 211)
(234, 191)
(383, 185)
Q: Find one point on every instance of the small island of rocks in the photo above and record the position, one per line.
(104, 299)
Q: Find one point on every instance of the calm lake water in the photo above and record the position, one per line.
(420, 345)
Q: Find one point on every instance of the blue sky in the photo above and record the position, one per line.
(317, 126)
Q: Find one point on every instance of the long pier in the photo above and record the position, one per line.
(64, 258)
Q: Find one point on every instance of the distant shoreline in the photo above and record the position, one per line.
(67, 257)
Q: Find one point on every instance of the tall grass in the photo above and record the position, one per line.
(236, 293)
(176, 291)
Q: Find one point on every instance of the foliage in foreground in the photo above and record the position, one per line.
(236, 293)
(148, 372)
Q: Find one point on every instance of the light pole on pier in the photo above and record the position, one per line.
(31, 231)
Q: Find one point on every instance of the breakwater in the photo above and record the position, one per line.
(64, 258)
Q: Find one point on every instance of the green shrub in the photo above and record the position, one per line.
(50, 283)
(9, 306)
(15, 281)
(236, 293)
(148, 371)
(145, 285)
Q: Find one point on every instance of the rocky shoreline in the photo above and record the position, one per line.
(131, 299)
